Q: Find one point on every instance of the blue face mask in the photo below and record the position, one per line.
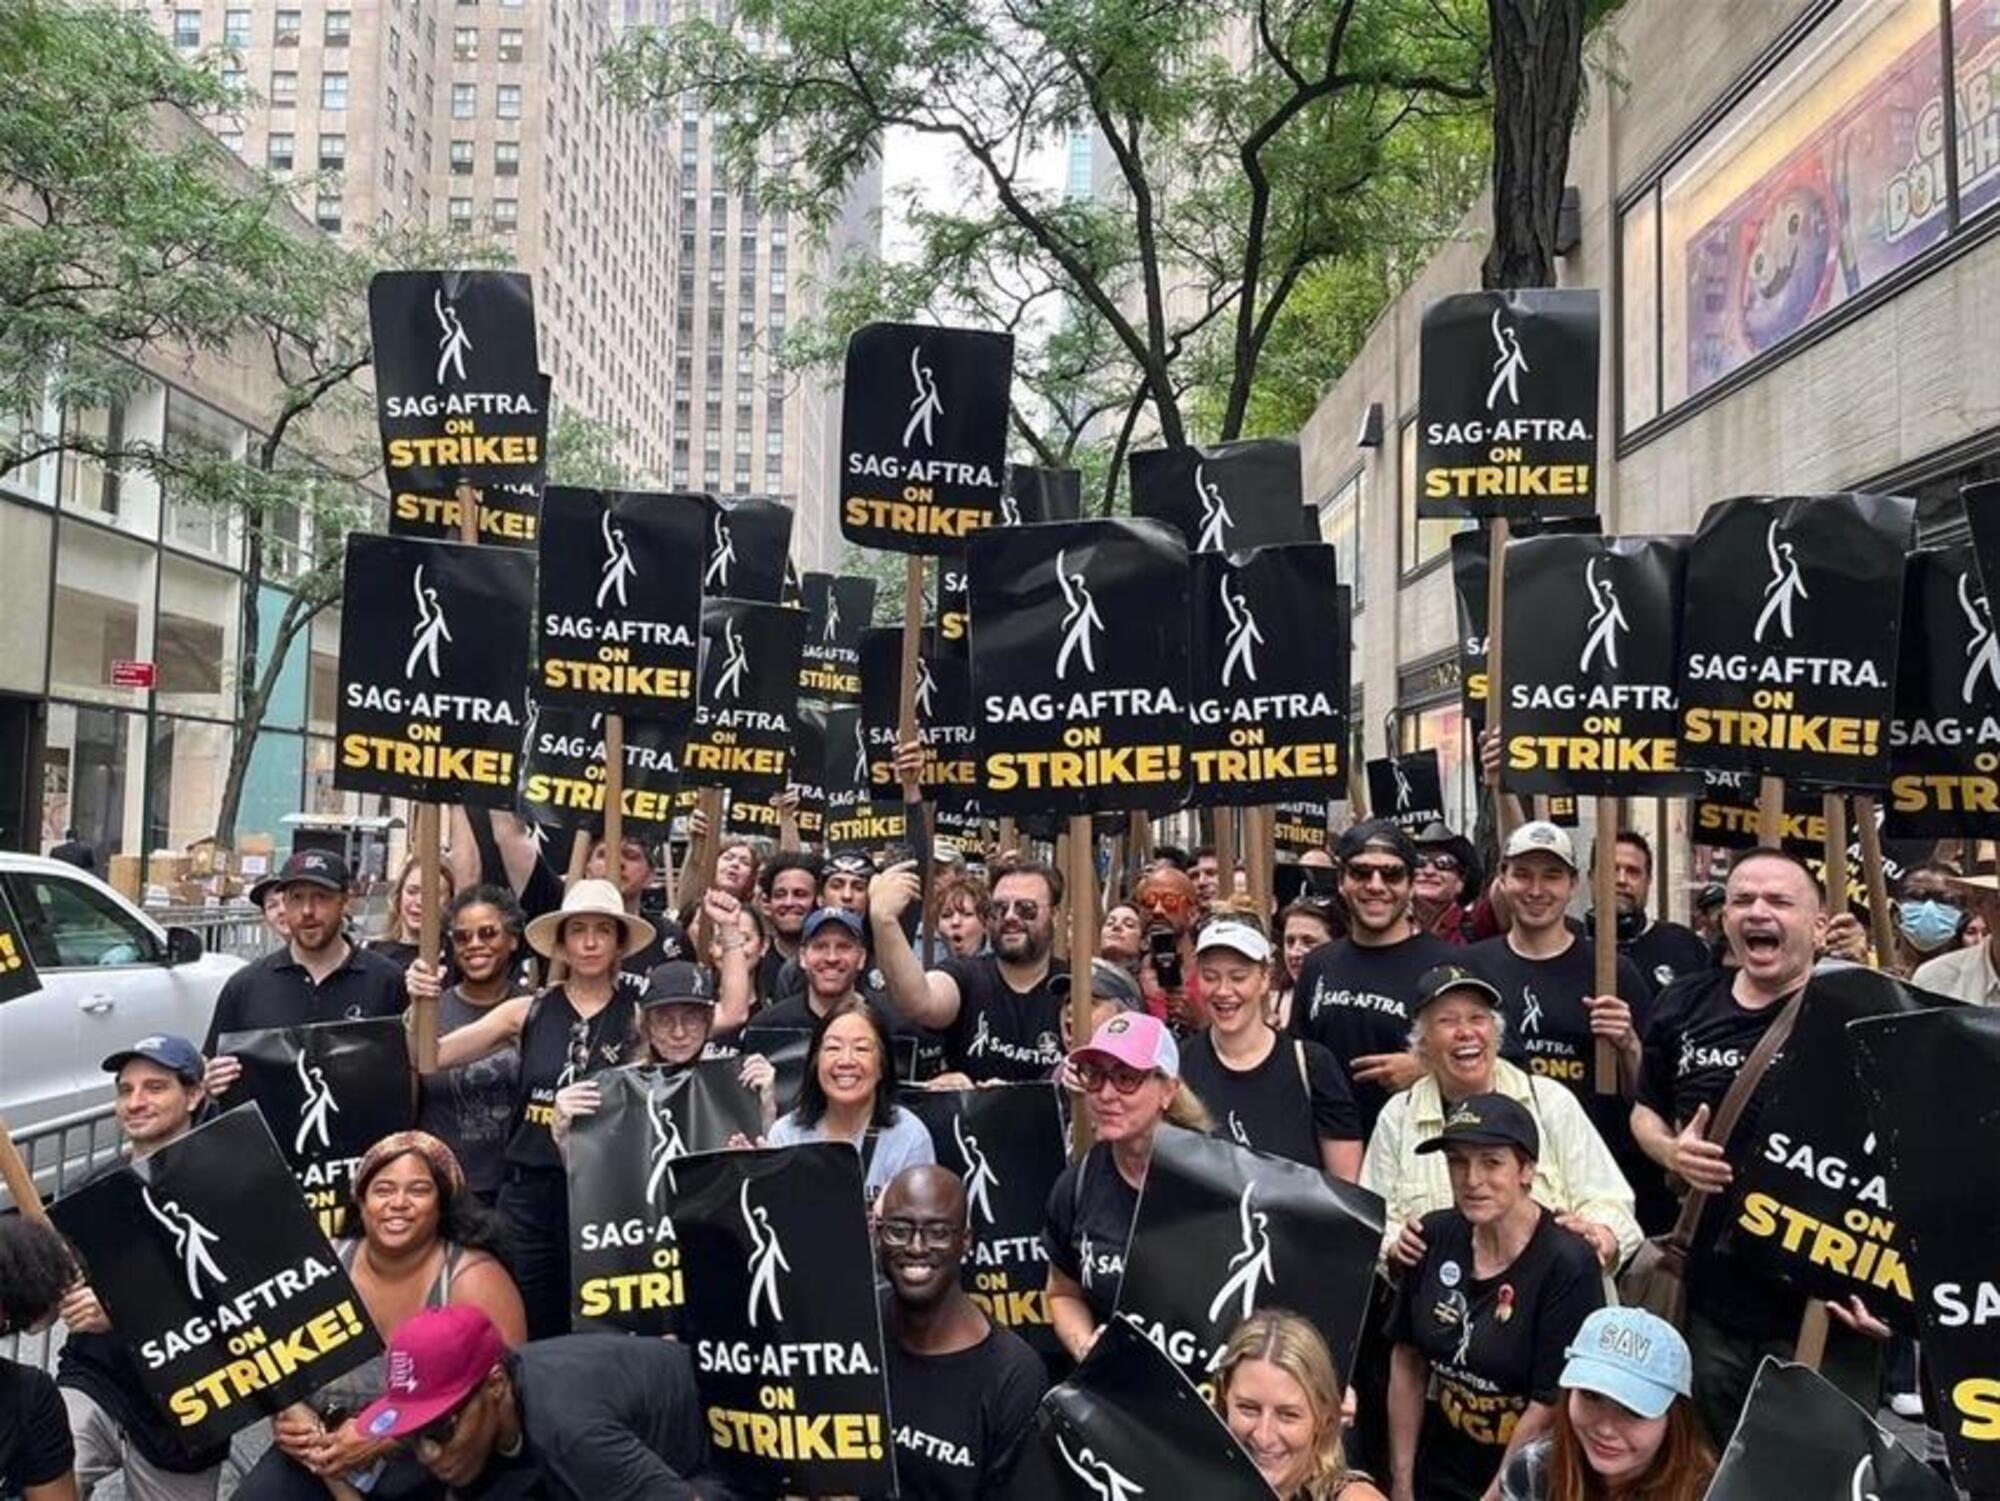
(1928, 924)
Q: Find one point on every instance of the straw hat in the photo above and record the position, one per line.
(589, 898)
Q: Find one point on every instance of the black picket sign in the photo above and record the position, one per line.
(1507, 405)
(1592, 659)
(1944, 776)
(1006, 1143)
(748, 548)
(625, 1268)
(837, 612)
(943, 702)
(618, 605)
(510, 514)
(1792, 614)
(458, 393)
(953, 621)
(1229, 497)
(1127, 1424)
(562, 769)
(433, 656)
(923, 436)
(1408, 790)
(1925, 1078)
(1080, 666)
(1270, 668)
(1222, 1231)
(1469, 551)
(1035, 495)
(17, 965)
(1981, 503)
(1798, 1436)
(782, 1319)
(742, 740)
(1299, 828)
(328, 1093)
(217, 1278)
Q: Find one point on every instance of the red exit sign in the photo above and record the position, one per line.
(126, 673)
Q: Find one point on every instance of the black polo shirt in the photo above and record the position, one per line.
(276, 991)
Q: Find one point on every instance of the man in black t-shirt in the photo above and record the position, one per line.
(1000, 1019)
(1660, 951)
(1702, 1032)
(963, 1389)
(1353, 995)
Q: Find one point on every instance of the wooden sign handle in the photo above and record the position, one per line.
(1881, 927)
(19, 1180)
(1080, 879)
(1604, 879)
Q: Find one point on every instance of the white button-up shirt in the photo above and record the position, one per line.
(1963, 974)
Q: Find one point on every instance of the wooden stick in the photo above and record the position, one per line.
(1261, 848)
(1506, 809)
(1605, 879)
(20, 1182)
(1225, 854)
(423, 1009)
(614, 787)
(1835, 853)
(1880, 926)
(1810, 1350)
(1771, 811)
(1008, 837)
(1081, 880)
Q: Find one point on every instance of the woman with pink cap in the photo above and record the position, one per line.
(1130, 1073)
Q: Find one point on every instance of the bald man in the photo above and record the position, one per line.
(963, 1389)
(1168, 899)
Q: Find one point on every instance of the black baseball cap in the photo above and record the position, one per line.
(1107, 982)
(313, 868)
(1487, 1120)
(1440, 980)
(176, 1055)
(1377, 834)
(678, 982)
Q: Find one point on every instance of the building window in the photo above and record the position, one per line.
(460, 212)
(187, 29)
(333, 91)
(231, 137)
(194, 636)
(509, 46)
(278, 151)
(465, 44)
(284, 88)
(461, 158)
(236, 28)
(326, 211)
(339, 27)
(464, 101)
(1418, 542)
(506, 158)
(508, 101)
(332, 153)
(506, 214)
(285, 29)
(1340, 524)
(103, 585)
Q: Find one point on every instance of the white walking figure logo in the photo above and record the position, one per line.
(617, 567)
(982, 1034)
(1010, 511)
(861, 758)
(1404, 792)
(1509, 364)
(1785, 584)
(1080, 619)
(767, 1258)
(736, 661)
(1531, 1010)
(1236, 1131)
(1249, 1267)
(429, 630)
(191, 1241)
(1085, 1257)
(1215, 518)
(926, 406)
(980, 1178)
(831, 629)
(1455, 1301)
(1983, 649)
(1607, 620)
(667, 1145)
(1244, 638)
(926, 686)
(1104, 1482)
(1862, 1486)
(319, 1103)
(721, 556)
(453, 341)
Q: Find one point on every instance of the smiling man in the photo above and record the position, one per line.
(963, 1389)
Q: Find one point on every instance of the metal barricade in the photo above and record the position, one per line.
(237, 928)
(60, 1154)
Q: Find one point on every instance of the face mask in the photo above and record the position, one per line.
(1928, 924)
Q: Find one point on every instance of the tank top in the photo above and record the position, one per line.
(362, 1385)
(559, 1047)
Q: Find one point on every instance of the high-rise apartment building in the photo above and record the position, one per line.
(487, 116)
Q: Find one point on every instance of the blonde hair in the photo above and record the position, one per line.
(1294, 1346)
(1186, 1110)
(392, 924)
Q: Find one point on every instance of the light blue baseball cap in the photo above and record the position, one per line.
(1635, 1358)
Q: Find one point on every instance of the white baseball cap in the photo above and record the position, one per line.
(1237, 937)
(1540, 836)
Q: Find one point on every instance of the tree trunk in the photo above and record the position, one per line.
(1537, 83)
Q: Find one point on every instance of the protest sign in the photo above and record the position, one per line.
(1301, 827)
(1809, 1202)
(1080, 666)
(954, 607)
(459, 395)
(1228, 497)
(1507, 405)
(1793, 609)
(837, 612)
(1471, 596)
(742, 741)
(1944, 744)
(782, 1320)
(923, 435)
(1269, 716)
(17, 966)
(1925, 1079)
(1591, 664)
(1035, 495)
(510, 515)
(217, 1278)
(562, 769)
(433, 653)
(867, 826)
(1408, 789)
(749, 548)
(625, 1267)
(618, 603)
(1982, 518)
(1222, 1231)
(328, 1093)
(943, 703)
(1798, 1436)
(1128, 1424)
(1006, 1143)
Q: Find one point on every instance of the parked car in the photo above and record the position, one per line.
(110, 975)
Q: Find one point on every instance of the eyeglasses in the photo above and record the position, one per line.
(1027, 911)
(1446, 863)
(489, 933)
(440, 1431)
(1094, 1076)
(1388, 875)
(936, 1235)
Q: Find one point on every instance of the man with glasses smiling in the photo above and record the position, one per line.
(963, 1389)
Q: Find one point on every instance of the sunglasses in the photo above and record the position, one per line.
(1438, 862)
(1388, 875)
(1027, 911)
(1094, 1076)
(439, 1431)
(488, 933)
(935, 1235)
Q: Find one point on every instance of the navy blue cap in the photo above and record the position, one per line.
(176, 1055)
(824, 915)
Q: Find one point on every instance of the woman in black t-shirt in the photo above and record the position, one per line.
(1285, 1096)
(568, 1032)
(1483, 1318)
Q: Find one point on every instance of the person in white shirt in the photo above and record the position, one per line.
(1971, 973)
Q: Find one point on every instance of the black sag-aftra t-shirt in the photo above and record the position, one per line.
(1088, 1226)
(1001, 1032)
(1286, 1106)
(960, 1419)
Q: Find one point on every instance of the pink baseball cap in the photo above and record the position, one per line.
(434, 1363)
(1136, 1040)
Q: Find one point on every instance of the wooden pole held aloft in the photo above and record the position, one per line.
(1881, 927)
(1080, 881)
(1604, 880)
(19, 1180)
